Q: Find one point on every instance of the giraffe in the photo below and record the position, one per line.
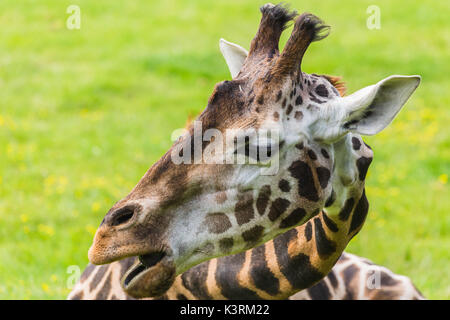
(280, 269)
(179, 216)
(349, 279)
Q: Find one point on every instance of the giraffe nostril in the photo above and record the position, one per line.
(122, 216)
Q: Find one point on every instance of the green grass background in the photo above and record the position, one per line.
(84, 113)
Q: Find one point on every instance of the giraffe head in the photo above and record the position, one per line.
(182, 213)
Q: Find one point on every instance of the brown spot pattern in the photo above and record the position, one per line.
(217, 222)
(278, 207)
(263, 199)
(244, 208)
(253, 235)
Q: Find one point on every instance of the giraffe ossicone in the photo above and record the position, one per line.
(179, 215)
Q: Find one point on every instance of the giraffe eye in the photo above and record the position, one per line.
(322, 91)
(258, 152)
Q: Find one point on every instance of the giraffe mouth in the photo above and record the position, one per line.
(151, 276)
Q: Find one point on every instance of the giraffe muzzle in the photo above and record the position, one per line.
(151, 276)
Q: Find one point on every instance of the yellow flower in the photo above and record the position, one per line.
(48, 230)
(96, 206)
(427, 114)
(54, 278)
(23, 218)
(26, 229)
(45, 287)
(50, 180)
(9, 149)
(2, 121)
(394, 191)
(63, 180)
(443, 178)
(62, 183)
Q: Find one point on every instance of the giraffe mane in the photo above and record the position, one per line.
(338, 83)
(191, 117)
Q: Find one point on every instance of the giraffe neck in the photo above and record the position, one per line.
(291, 262)
(352, 278)
(277, 269)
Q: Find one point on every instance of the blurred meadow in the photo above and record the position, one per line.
(84, 113)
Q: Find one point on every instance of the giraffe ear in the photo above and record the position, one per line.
(234, 55)
(371, 109)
